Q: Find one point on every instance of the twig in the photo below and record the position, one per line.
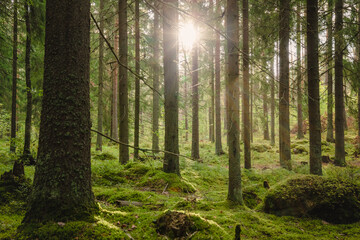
(167, 184)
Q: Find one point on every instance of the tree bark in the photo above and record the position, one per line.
(186, 100)
(339, 90)
(313, 86)
(156, 66)
(300, 132)
(137, 80)
(232, 96)
(114, 82)
(212, 82)
(272, 135)
(62, 181)
(101, 74)
(171, 80)
(246, 112)
(27, 139)
(14, 80)
(218, 143)
(329, 74)
(123, 84)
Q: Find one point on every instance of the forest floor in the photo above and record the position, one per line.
(133, 197)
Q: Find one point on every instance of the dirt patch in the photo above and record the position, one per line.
(175, 225)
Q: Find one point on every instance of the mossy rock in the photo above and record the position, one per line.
(251, 198)
(299, 149)
(260, 147)
(69, 230)
(332, 200)
(14, 188)
(104, 156)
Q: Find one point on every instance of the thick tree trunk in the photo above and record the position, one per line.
(27, 138)
(232, 96)
(272, 135)
(123, 84)
(62, 181)
(329, 74)
(195, 93)
(313, 86)
(246, 112)
(212, 81)
(358, 52)
(101, 74)
(114, 95)
(300, 132)
(218, 144)
(156, 66)
(14, 80)
(284, 125)
(339, 90)
(171, 80)
(137, 80)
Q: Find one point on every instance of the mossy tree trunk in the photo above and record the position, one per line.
(313, 86)
(123, 84)
(62, 181)
(14, 79)
(300, 132)
(232, 96)
(101, 74)
(284, 121)
(339, 90)
(171, 85)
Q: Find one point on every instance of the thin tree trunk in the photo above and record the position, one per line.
(329, 74)
(14, 81)
(339, 90)
(123, 84)
(218, 143)
(313, 86)
(272, 135)
(300, 132)
(137, 80)
(171, 80)
(186, 100)
(212, 82)
(284, 128)
(156, 106)
(266, 114)
(114, 95)
(251, 111)
(232, 96)
(101, 74)
(246, 113)
(28, 84)
(195, 93)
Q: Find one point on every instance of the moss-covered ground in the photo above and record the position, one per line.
(133, 197)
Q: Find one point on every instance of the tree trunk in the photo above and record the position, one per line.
(272, 135)
(284, 128)
(186, 100)
(232, 96)
(101, 74)
(313, 86)
(137, 80)
(218, 144)
(62, 181)
(156, 66)
(300, 132)
(14, 81)
(212, 81)
(27, 139)
(195, 93)
(114, 95)
(339, 90)
(358, 52)
(171, 80)
(329, 75)
(246, 112)
(266, 113)
(123, 84)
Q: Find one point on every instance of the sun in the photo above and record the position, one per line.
(187, 35)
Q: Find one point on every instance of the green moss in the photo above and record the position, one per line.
(260, 147)
(104, 156)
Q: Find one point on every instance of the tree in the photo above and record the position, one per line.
(115, 89)
(62, 181)
(123, 84)
(300, 132)
(313, 86)
(246, 110)
(137, 80)
(171, 80)
(27, 138)
(284, 125)
(212, 81)
(339, 90)
(101, 73)
(358, 52)
(156, 70)
(232, 99)
(265, 109)
(14, 80)
(195, 92)
(272, 86)
(329, 75)
(218, 144)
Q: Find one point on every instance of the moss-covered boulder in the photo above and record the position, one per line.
(332, 200)
(14, 187)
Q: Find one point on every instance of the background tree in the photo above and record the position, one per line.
(300, 131)
(14, 79)
(137, 80)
